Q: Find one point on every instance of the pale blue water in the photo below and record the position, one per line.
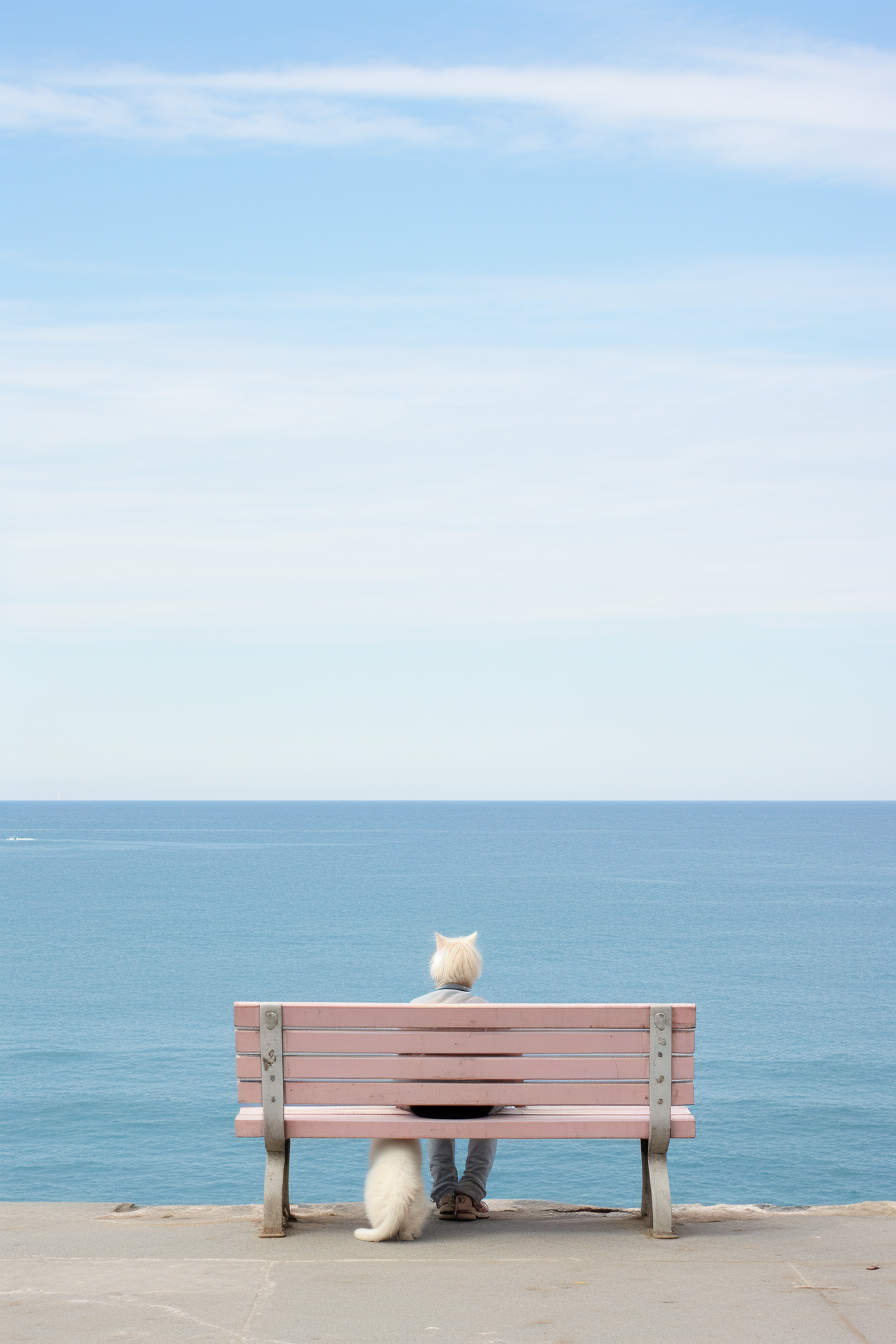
(130, 928)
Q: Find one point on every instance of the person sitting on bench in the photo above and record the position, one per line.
(455, 967)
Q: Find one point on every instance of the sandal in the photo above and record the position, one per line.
(466, 1208)
(446, 1205)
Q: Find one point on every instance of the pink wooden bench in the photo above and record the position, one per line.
(591, 1071)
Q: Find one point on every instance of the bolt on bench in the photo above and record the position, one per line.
(589, 1070)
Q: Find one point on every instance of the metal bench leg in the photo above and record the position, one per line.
(656, 1199)
(660, 1198)
(276, 1206)
(287, 1216)
(276, 1172)
(646, 1205)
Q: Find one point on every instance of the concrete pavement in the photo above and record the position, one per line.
(534, 1273)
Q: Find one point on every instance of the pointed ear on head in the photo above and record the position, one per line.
(471, 938)
(440, 941)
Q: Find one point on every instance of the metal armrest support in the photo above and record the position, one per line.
(276, 1174)
(656, 1199)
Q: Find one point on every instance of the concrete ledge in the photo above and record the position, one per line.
(536, 1271)
(502, 1210)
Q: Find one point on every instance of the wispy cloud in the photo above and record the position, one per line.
(176, 481)
(829, 112)
(832, 304)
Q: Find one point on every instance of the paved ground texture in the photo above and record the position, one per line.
(533, 1274)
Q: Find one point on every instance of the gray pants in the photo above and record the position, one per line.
(480, 1157)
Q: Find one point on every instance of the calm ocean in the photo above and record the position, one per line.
(130, 928)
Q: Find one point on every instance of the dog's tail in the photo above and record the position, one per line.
(385, 1232)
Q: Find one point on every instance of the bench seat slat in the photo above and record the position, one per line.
(493, 1015)
(387, 1093)
(538, 1122)
(465, 1068)
(334, 1042)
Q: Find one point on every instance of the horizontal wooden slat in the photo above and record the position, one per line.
(538, 1122)
(332, 1042)
(469, 1067)
(387, 1093)
(574, 1016)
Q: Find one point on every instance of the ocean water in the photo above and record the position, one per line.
(130, 928)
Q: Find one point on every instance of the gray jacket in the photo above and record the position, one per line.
(450, 994)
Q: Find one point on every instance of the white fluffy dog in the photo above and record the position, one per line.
(393, 1192)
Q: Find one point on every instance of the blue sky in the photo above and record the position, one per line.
(490, 400)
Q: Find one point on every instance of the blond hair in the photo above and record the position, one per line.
(456, 961)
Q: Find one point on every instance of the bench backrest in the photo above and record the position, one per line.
(561, 1054)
